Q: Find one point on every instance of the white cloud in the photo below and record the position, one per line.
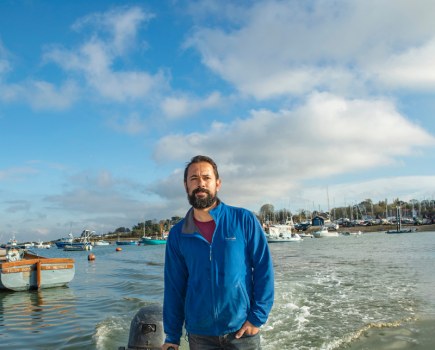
(95, 61)
(41, 95)
(413, 68)
(274, 153)
(96, 58)
(44, 95)
(131, 124)
(178, 107)
(98, 194)
(121, 23)
(292, 48)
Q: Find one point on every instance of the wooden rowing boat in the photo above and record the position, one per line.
(21, 270)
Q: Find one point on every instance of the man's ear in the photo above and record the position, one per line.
(218, 184)
(185, 186)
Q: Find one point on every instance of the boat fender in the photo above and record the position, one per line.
(13, 255)
(146, 329)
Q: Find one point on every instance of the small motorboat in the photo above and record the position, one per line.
(131, 242)
(152, 241)
(77, 247)
(281, 234)
(101, 242)
(324, 232)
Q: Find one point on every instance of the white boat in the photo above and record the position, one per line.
(12, 242)
(101, 242)
(42, 245)
(305, 235)
(281, 234)
(323, 232)
(347, 233)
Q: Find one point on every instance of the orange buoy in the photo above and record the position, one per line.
(118, 249)
(91, 257)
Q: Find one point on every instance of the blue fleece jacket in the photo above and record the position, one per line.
(214, 288)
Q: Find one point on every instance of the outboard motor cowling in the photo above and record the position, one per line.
(146, 329)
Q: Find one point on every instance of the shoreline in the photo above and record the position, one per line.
(376, 228)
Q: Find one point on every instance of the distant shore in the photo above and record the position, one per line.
(311, 229)
(377, 228)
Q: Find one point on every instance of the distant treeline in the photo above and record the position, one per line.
(365, 209)
(362, 210)
(147, 228)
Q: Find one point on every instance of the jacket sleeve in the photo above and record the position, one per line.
(175, 290)
(263, 275)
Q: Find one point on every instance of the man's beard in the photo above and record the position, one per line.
(201, 203)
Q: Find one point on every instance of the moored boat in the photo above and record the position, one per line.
(130, 242)
(11, 243)
(324, 232)
(347, 233)
(41, 245)
(152, 241)
(21, 270)
(281, 234)
(101, 242)
(293, 237)
(399, 228)
(64, 241)
(77, 247)
(402, 230)
(83, 243)
(305, 235)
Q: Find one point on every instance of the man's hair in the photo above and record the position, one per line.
(200, 159)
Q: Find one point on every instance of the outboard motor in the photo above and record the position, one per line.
(146, 329)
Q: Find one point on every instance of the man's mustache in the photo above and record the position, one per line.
(200, 190)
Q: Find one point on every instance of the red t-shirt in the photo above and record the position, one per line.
(206, 229)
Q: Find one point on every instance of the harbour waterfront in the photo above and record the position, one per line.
(373, 291)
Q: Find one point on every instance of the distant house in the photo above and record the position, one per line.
(320, 220)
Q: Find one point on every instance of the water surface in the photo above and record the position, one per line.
(373, 291)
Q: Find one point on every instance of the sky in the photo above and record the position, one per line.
(305, 105)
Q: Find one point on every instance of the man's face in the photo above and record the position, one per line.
(201, 185)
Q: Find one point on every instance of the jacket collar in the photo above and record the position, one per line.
(189, 224)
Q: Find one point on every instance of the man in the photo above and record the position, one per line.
(218, 270)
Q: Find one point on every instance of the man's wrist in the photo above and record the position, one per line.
(171, 340)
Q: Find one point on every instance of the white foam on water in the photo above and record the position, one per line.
(110, 331)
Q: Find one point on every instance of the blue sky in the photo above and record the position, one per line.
(102, 103)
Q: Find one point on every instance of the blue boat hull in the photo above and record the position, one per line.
(126, 243)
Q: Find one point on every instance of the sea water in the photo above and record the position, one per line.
(374, 291)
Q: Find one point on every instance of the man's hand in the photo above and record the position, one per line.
(247, 328)
(169, 346)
